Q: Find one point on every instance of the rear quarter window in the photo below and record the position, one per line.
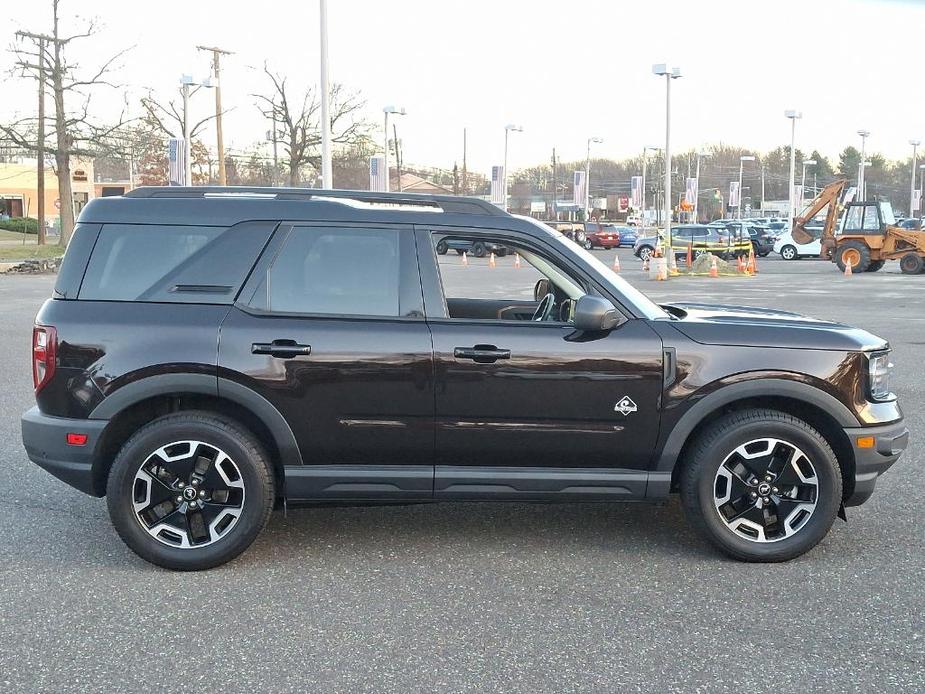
(175, 264)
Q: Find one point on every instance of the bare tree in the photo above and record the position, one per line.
(297, 119)
(169, 118)
(73, 132)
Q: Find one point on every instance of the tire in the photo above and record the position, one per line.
(854, 253)
(876, 265)
(711, 472)
(588, 244)
(501, 252)
(479, 250)
(911, 264)
(244, 478)
(789, 252)
(764, 254)
(442, 248)
(645, 252)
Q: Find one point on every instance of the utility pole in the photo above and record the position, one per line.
(216, 70)
(555, 186)
(40, 171)
(762, 186)
(397, 155)
(327, 171)
(465, 170)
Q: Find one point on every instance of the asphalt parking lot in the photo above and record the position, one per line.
(478, 597)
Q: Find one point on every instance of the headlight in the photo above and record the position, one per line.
(879, 371)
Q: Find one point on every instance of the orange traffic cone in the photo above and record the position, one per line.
(491, 260)
(616, 263)
(740, 264)
(658, 249)
(848, 271)
(752, 268)
(465, 258)
(517, 260)
(714, 270)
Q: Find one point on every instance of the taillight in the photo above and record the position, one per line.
(44, 343)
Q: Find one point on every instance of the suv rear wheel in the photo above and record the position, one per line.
(190, 491)
(761, 485)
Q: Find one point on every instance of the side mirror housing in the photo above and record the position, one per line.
(594, 313)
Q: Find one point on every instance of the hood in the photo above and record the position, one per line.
(720, 324)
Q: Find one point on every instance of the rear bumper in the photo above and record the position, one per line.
(45, 441)
(889, 443)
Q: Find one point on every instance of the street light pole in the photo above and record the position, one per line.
(807, 162)
(187, 164)
(596, 140)
(861, 192)
(662, 70)
(398, 111)
(327, 170)
(793, 116)
(915, 144)
(921, 189)
(507, 129)
(742, 159)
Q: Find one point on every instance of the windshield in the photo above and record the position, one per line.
(886, 212)
(643, 304)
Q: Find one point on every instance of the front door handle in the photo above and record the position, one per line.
(482, 354)
(284, 349)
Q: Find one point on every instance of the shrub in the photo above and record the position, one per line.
(22, 225)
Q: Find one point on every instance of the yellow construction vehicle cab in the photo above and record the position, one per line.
(867, 237)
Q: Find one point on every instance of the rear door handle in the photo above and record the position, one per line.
(281, 348)
(482, 354)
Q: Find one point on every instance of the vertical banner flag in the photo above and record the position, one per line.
(176, 169)
(690, 193)
(916, 200)
(497, 185)
(733, 194)
(578, 188)
(377, 173)
(636, 188)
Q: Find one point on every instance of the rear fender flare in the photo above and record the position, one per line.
(204, 384)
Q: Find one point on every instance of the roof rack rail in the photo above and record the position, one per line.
(445, 203)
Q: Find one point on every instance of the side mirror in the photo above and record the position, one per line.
(594, 313)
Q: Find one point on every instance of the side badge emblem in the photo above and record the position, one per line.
(625, 406)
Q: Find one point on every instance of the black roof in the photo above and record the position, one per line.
(224, 206)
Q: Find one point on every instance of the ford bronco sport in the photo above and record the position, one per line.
(209, 354)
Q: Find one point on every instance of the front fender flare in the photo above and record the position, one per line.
(759, 387)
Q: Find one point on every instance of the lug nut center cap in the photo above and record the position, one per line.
(764, 489)
(189, 493)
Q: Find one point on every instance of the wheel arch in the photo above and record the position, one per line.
(817, 408)
(138, 403)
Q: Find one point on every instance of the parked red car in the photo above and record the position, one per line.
(601, 236)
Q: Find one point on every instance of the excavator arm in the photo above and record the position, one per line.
(828, 197)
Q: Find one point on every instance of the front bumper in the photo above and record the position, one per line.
(889, 441)
(45, 441)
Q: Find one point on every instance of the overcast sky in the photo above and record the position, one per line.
(564, 70)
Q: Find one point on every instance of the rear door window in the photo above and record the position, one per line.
(174, 264)
(342, 272)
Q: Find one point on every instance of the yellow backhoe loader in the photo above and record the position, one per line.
(867, 236)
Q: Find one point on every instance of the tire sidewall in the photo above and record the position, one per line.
(235, 444)
(790, 251)
(828, 502)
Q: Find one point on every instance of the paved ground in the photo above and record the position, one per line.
(478, 597)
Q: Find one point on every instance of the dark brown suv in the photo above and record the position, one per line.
(210, 353)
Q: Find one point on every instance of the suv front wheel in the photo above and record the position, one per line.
(190, 491)
(761, 485)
